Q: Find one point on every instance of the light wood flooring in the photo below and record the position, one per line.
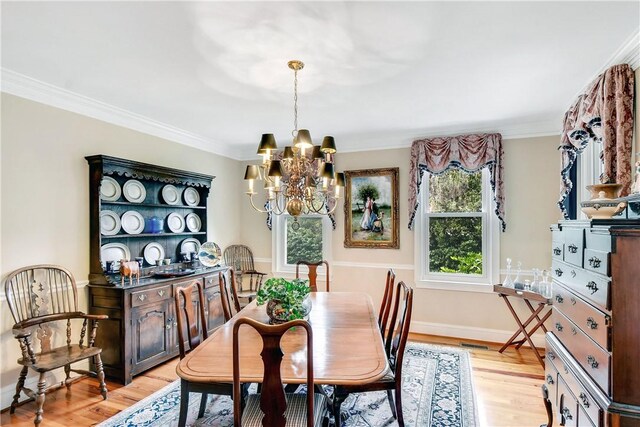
(507, 387)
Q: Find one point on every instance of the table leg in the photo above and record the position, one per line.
(339, 395)
(520, 324)
(540, 324)
(531, 308)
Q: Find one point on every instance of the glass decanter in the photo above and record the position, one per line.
(535, 285)
(508, 281)
(547, 286)
(517, 282)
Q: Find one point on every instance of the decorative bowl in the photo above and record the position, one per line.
(602, 208)
(611, 191)
(278, 315)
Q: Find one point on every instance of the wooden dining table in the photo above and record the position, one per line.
(347, 345)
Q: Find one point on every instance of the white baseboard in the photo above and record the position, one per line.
(469, 332)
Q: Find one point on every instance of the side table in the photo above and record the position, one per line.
(528, 298)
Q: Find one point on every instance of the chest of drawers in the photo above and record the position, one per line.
(592, 374)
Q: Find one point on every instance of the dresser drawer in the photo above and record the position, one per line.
(573, 246)
(583, 419)
(211, 281)
(593, 359)
(150, 295)
(597, 261)
(599, 241)
(593, 287)
(567, 405)
(592, 321)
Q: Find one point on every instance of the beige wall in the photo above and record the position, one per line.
(531, 184)
(45, 195)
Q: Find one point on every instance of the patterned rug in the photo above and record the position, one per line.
(437, 391)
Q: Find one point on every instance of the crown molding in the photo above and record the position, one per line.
(36, 90)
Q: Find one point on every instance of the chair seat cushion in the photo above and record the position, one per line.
(60, 356)
(296, 413)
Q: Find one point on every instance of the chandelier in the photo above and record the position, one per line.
(301, 179)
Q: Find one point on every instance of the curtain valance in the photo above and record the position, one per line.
(467, 152)
(603, 114)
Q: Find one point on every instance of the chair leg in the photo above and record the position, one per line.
(392, 404)
(42, 384)
(184, 403)
(67, 372)
(203, 405)
(100, 372)
(399, 405)
(19, 385)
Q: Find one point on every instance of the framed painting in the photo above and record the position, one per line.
(371, 209)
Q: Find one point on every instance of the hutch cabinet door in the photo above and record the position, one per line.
(213, 309)
(152, 334)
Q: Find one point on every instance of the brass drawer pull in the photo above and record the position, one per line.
(593, 362)
(593, 286)
(592, 323)
(566, 414)
(559, 327)
(594, 262)
(161, 292)
(557, 251)
(573, 273)
(559, 299)
(572, 248)
(573, 330)
(585, 400)
(551, 355)
(573, 301)
(142, 297)
(549, 379)
(559, 272)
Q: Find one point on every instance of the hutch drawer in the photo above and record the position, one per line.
(150, 295)
(597, 261)
(573, 246)
(593, 287)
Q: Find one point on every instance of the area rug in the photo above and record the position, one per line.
(437, 391)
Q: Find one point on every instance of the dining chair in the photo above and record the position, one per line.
(394, 346)
(313, 273)
(385, 305)
(240, 258)
(273, 407)
(190, 315)
(228, 294)
(39, 298)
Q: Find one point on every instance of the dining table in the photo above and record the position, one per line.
(347, 346)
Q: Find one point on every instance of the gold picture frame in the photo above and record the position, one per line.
(371, 215)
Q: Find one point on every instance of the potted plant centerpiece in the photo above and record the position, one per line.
(286, 300)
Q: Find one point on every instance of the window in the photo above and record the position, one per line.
(306, 239)
(457, 236)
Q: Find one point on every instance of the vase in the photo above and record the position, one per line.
(611, 191)
(278, 315)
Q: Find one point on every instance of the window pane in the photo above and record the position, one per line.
(455, 191)
(455, 245)
(305, 243)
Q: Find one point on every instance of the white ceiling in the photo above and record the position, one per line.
(378, 74)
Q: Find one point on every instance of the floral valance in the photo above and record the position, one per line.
(603, 114)
(467, 152)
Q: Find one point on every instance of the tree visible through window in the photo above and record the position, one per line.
(305, 243)
(455, 221)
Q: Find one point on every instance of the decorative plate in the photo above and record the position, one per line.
(114, 252)
(170, 194)
(190, 245)
(132, 222)
(175, 222)
(191, 196)
(134, 191)
(193, 222)
(109, 223)
(152, 252)
(109, 189)
(210, 254)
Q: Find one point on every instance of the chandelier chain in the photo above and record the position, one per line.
(295, 103)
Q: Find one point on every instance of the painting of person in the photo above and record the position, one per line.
(372, 220)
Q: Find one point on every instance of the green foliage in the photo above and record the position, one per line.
(452, 241)
(455, 191)
(470, 263)
(368, 190)
(290, 294)
(304, 244)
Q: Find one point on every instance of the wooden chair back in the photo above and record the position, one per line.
(229, 294)
(39, 294)
(188, 319)
(273, 401)
(399, 332)
(313, 273)
(385, 306)
(239, 257)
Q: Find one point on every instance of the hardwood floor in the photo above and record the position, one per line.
(507, 387)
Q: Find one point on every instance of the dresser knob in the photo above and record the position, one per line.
(592, 323)
(142, 297)
(559, 299)
(573, 248)
(585, 400)
(593, 286)
(559, 327)
(549, 379)
(161, 292)
(592, 361)
(573, 331)
(567, 414)
(557, 251)
(559, 272)
(551, 355)
(594, 262)
(573, 273)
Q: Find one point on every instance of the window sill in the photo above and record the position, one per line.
(483, 288)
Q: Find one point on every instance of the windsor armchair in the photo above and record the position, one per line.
(240, 258)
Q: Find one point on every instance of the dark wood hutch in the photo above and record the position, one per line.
(141, 331)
